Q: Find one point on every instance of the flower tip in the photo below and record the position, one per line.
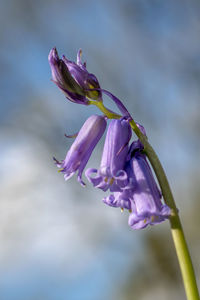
(141, 128)
(55, 160)
(79, 55)
(80, 52)
(58, 164)
(65, 59)
(53, 56)
(82, 183)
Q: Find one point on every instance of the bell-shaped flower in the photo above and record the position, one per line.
(81, 150)
(141, 195)
(111, 174)
(146, 204)
(74, 79)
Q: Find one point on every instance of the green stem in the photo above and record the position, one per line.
(181, 247)
(107, 112)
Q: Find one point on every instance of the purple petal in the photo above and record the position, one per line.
(111, 174)
(119, 104)
(147, 206)
(81, 150)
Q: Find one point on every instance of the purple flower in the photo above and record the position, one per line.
(81, 150)
(120, 199)
(111, 173)
(146, 204)
(141, 195)
(73, 78)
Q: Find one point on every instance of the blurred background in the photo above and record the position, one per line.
(58, 240)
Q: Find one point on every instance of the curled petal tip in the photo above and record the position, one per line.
(56, 161)
(71, 135)
(82, 183)
(79, 54)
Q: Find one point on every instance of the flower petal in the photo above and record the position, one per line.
(81, 149)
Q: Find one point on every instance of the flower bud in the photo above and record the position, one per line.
(73, 79)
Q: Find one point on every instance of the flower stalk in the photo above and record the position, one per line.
(180, 244)
(124, 169)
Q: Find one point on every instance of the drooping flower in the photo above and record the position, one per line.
(81, 150)
(146, 204)
(111, 174)
(141, 195)
(74, 79)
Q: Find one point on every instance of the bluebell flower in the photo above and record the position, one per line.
(74, 79)
(111, 174)
(81, 150)
(143, 198)
(146, 204)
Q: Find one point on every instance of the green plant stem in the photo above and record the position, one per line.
(181, 247)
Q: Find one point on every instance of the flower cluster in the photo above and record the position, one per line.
(124, 169)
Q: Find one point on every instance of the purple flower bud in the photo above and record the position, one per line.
(111, 173)
(73, 78)
(81, 150)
